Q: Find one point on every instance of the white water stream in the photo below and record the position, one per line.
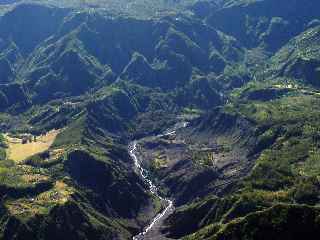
(152, 187)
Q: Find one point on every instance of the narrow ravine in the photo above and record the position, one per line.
(152, 187)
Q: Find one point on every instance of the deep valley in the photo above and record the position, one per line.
(171, 119)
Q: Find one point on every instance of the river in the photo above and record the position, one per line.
(152, 187)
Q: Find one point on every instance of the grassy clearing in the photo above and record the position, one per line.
(17, 151)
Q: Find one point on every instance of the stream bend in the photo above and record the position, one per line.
(152, 187)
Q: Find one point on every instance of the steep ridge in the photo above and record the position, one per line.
(68, 63)
(266, 23)
(244, 73)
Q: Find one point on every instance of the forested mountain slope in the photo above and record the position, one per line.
(80, 80)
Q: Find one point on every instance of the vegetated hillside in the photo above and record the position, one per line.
(246, 72)
(266, 23)
(284, 123)
(298, 60)
(280, 109)
(52, 187)
(84, 51)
